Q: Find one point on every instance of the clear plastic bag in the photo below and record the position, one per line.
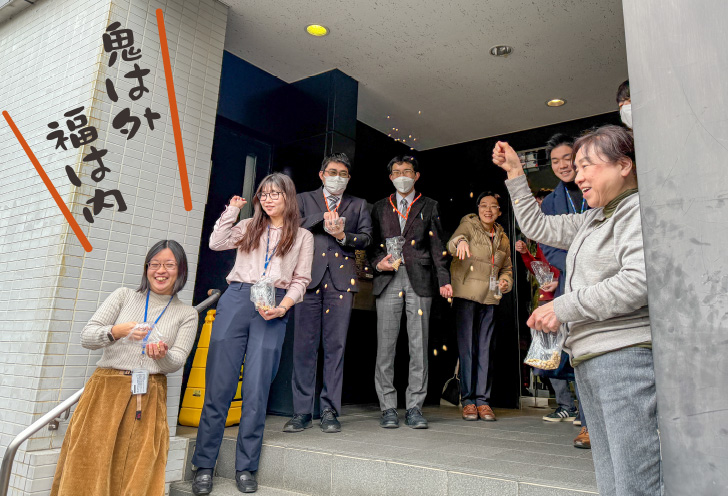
(394, 248)
(263, 294)
(136, 339)
(545, 350)
(542, 272)
(336, 226)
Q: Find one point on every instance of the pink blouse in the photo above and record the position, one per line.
(291, 272)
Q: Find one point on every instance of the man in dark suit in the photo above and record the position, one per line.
(409, 286)
(340, 224)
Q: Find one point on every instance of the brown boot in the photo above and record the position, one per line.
(582, 440)
(486, 413)
(470, 412)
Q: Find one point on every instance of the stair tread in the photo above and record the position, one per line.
(227, 487)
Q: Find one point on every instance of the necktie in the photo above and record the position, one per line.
(403, 210)
(333, 200)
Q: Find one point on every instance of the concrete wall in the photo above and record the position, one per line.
(679, 86)
(52, 60)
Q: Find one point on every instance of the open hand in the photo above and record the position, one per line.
(155, 351)
(544, 319)
(462, 250)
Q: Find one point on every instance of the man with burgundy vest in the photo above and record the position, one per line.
(340, 224)
(406, 284)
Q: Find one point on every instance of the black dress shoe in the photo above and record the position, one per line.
(202, 483)
(246, 482)
(415, 419)
(299, 422)
(329, 423)
(389, 419)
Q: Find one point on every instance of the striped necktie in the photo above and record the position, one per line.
(403, 210)
(333, 200)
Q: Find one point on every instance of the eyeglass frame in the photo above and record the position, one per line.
(407, 172)
(343, 174)
(262, 196)
(175, 265)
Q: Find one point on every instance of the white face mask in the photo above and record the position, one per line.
(335, 185)
(625, 112)
(403, 184)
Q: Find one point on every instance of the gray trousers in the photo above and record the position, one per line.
(618, 394)
(562, 393)
(389, 314)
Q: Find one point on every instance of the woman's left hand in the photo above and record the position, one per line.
(544, 319)
(155, 351)
(273, 313)
(503, 285)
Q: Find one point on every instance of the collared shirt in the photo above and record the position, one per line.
(291, 271)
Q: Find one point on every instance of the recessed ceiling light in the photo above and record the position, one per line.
(556, 102)
(317, 30)
(501, 50)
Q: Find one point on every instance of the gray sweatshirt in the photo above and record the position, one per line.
(604, 306)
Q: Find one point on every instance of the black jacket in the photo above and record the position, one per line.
(327, 250)
(426, 260)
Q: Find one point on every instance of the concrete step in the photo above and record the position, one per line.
(519, 455)
(227, 487)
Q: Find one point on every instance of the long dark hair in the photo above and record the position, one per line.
(259, 223)
(179, 256)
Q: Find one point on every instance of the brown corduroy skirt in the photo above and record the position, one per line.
(106, 451)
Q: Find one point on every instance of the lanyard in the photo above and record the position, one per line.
(408, 207)
(146, 308)
(326, 202)
(492, 248)
(583, 202)
(267, 247)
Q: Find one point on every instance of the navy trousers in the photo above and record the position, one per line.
(322, 316)
(238, 333)
(474, 323)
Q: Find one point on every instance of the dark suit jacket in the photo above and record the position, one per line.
(426, 260)
(556, 203)
(327, 250)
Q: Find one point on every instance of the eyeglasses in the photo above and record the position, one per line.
(406, 172)
(274, 195)
(333, 173)
(157, 265)
(488, 207)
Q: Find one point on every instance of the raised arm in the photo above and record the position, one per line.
(554, 230)
(225, 235)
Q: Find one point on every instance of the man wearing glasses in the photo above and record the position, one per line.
(406, 284)
(340, 224)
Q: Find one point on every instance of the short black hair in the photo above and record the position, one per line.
(179, 256)
(623, 92)
(556, 141)
(488, 193)
(543, 193)
(341, 158)
(400, 159)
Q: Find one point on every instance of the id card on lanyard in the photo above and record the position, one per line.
(140, 376)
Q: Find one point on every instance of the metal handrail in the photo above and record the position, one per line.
(61, 412)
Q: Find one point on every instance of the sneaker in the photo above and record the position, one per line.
(577, 422)
(582, 440)
(329, 423)
(299, 422)
(470, 412)
(246, 482)
(561, 414)
(414, 419)
(389, 419)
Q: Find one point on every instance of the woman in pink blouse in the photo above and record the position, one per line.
(273, 252)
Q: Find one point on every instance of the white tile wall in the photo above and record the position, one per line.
(52, 60)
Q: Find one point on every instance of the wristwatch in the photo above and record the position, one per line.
(110, 336)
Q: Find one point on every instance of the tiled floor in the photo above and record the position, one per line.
(518, 447)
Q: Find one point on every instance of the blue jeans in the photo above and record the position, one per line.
(618, 394)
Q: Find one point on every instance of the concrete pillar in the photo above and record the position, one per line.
(678, 71)
(52, 60)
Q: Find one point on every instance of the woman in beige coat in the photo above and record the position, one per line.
(481, 272)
